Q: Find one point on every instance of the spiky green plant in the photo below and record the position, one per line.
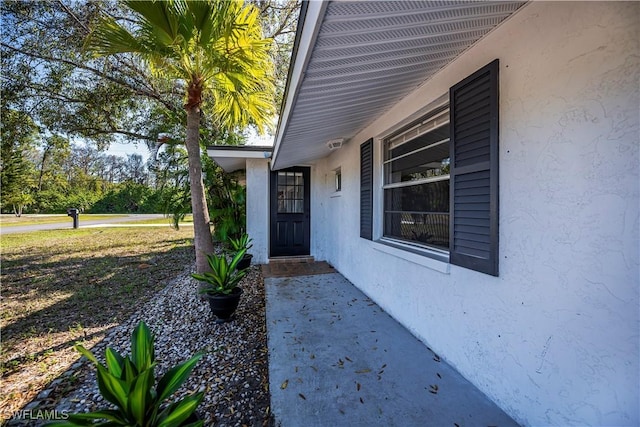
(243, 242)
(128, 382)
(224, 275)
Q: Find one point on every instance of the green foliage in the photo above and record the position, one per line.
(227, 202)
(129, 383)
(216, 47)
(243, 242)
(127, 197)
(18, 139)
(170, 168)
(224, 275)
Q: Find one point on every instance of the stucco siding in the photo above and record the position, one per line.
(554, 339)
(258, 208)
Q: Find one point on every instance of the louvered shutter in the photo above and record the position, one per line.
(366, 190)
(473, 229)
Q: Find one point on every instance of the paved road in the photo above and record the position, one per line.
(83, 223)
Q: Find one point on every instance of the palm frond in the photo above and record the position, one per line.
(162, 17)
(216, 44)
(109, 38)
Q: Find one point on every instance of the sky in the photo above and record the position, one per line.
(119, 149)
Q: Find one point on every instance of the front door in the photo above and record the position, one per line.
(290, 207)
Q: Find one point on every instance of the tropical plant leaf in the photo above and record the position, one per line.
(140, 396)
(105, 414)
(142, 347)
(175, 376)
(112, 389)
(115, 362)
(109, 38)
(130, 371)
(86, 353)
(178, 412)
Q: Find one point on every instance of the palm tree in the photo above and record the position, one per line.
(216, 51)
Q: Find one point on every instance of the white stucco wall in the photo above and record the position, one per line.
(258, 208)
(554, 339)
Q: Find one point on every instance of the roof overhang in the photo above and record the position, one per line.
(232, 158)
(352, 61)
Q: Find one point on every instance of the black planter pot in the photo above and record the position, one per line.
(223, 306)
(245, 262)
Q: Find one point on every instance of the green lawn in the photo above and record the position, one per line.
(64, 286)
(7, 220)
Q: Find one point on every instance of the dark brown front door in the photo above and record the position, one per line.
(290, 208)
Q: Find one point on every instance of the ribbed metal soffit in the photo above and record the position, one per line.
(369, 55)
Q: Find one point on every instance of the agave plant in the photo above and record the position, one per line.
(128, 382)
(224, 275)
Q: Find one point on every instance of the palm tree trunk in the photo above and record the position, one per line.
(201, 228)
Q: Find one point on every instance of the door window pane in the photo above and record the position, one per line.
(290, 192)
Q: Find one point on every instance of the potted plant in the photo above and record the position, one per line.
(129, 383)
(220, 285)
(243, 242)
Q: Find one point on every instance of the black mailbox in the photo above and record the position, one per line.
(74, 213)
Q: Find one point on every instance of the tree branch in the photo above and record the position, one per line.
(99, 73)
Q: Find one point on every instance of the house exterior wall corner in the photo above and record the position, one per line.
(258, 208)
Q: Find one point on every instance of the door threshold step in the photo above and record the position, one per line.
(291, 259)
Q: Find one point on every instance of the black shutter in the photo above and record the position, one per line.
(473, 241)
(366, 190)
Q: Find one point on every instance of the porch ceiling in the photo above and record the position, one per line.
(355, 60)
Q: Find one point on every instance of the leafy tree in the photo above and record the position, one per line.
(213, 49)
(46, 72)
(128, 197)
(135, 170)
(19, 137)
(54, 150)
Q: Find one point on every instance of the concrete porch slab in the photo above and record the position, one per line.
(337, 359)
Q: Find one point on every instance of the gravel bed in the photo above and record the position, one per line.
(233, 373)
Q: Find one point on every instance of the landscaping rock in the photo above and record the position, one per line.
(233, 373)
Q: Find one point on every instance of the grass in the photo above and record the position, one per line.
(13, 221)
(187, 221)
(64, 286)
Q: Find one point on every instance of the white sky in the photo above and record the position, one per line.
(119, 149)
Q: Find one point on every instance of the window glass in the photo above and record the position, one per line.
(418, 213)
(290, 192)
(416, 183)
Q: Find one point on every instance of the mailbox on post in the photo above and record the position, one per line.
(74, 213)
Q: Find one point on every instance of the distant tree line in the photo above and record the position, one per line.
(49, 174)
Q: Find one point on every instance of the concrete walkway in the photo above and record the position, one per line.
(337, 359)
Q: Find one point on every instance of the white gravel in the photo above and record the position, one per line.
(233, 373)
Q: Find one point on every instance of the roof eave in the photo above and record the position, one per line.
(233, 158)
(309, 23)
